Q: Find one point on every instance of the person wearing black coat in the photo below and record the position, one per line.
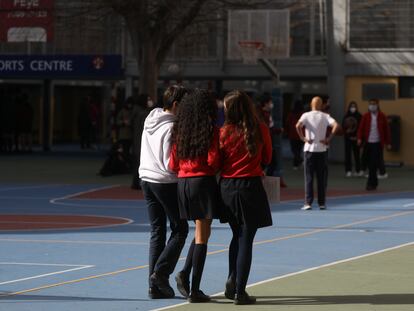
(350, 125)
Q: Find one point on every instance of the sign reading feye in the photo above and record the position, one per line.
(61, 66)
(26, 20)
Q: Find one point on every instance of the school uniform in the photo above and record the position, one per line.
(197, 186)
(244, 201)
(243, 197)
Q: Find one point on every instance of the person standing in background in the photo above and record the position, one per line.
(350, 125)
(315, 123)
(296, 144)
(124, 123)
(374, 132)
(265, 115)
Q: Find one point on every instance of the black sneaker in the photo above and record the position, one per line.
(244, 299)
(371, 188)
(230, 291)
(162, 284)
(183, 283)
(198, 296)
(154, 293)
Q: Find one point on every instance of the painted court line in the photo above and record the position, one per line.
(88, 242)
(54, 200)
(302, 272)
(209, 253)
(77, 267)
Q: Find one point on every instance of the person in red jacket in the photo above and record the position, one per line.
(374, 132)
(245, 146)
(195, 157)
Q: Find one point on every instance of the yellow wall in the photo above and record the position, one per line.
(403, 107)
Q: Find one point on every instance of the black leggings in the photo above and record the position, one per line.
(240, 255)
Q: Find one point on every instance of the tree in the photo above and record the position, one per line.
(154, 25)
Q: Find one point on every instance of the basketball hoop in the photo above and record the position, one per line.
(251, 51)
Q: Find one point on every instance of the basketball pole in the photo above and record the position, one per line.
(268, 65)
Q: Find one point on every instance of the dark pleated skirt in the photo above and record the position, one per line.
(244, 201)
(198, 197)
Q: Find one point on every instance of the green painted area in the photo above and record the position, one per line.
(381, 282)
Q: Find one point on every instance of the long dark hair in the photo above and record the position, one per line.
(193, 130)
(240, 112)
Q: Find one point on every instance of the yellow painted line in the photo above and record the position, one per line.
(73, 281)
(209, 253)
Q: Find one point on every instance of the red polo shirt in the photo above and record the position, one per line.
(207, 165)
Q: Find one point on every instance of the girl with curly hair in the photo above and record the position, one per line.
(195, 157)
(245, 146)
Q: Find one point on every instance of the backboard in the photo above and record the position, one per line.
(272, 27)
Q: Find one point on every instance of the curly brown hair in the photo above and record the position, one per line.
(194, 127)
(240, 112)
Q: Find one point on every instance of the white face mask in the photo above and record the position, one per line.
(352, 109)
(372, 108)
(150, 103)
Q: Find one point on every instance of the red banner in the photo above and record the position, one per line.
(26, 20)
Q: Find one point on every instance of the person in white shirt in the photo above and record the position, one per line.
(311, 128)
(159, 185)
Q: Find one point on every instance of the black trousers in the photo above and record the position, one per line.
(316, 163)
(352, 149)
(296, 146)
(162, 204)
(364, 161)
(375, 158)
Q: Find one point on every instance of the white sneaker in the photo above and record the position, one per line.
(348, 174)
(306, 207)
(359, 174)
(385, 176)
(322, 207)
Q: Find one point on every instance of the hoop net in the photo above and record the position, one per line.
(251, 51)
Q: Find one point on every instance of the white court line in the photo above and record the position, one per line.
(408, 205)
(66, 197)
(302, 271)
(81, 193)
(39, 264)
(77, 267)
(90, 242)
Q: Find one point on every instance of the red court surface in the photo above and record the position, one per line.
(39, 222)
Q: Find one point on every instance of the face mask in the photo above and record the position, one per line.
(352, 109)
(372, 108)
(220, 104)
(150, 103)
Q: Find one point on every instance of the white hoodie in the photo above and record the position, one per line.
(156, 147)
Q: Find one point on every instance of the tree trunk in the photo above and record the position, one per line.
(148, 70)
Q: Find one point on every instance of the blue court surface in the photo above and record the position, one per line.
(104, 267)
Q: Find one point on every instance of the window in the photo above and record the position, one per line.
(384, 91)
